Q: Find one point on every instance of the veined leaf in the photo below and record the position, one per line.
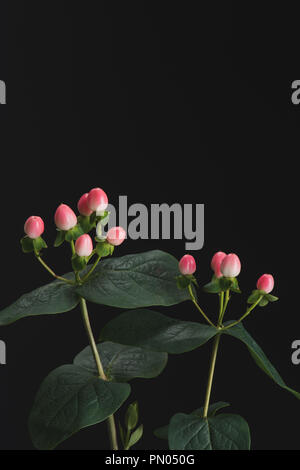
(122, 363)
(152, 330)
(56, 297)
(134, 281)
(69, 399)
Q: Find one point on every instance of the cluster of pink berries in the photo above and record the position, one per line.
(227, 266)
(65, 219)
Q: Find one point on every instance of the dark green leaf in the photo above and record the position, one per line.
(74, 233)
(135, 281)
(56, 297)
(221, 432)
(162, 432)
(60, 238)
(135, 437)
(254, 296)
(225, 283)
(239, 332)
(93, 218)
(104, 249)
(122, 363)
(183, 281)
(85, 223)
(27, 244)
(103, 218)
(220, 284)
(38, 244)
(70, 399)
(78, 262)
(132, 416)
(213, 287)
(272, 298)
(264, 301)
(235, 286)
(157, 332)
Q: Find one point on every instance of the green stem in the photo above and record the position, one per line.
(221, 297)
(245, 314)
(225, 306)
(112, 431)
(91, 270)
(110, 420)
(211, 374)
(88, 327)
(68, 281)
(198, 307)
(72, 247)
(111, 425)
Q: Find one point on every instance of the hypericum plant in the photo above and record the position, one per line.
(94, 387)
(136, 343)
(203, 428)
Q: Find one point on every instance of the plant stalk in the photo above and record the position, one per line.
(227, 297)
(211, 374)
(198, 306)
(245, 314)
(110, 420)
(68, 281)
(91, 270)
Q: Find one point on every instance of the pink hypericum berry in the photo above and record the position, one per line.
(34, 226)
(116, 235)
(97, 200)
(84, 245)
(216, 263)
(266, 283)
(83, 206)
(231, 266)
(187, 265)
(65, 218)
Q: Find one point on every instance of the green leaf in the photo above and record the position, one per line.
(235, 286)
(78, 262)
(60, 238)
(221, 432)
(56, 297)
(103, 218)
(264, 301)
(152, 330)
(104, 249)
(38, 244)
(93, 218)
(162, 432)
(183, 281)
(122, 363)
(213, 287)
(85, 223)
(221, 284)
(254, 296)
(135, 437)
(239, 332)
(135, 281)
(225, 283)
(70, 399)
(27, 244)
(74, 233)
(272, 298)
(132, 416)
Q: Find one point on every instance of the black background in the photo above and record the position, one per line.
(162, 102)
